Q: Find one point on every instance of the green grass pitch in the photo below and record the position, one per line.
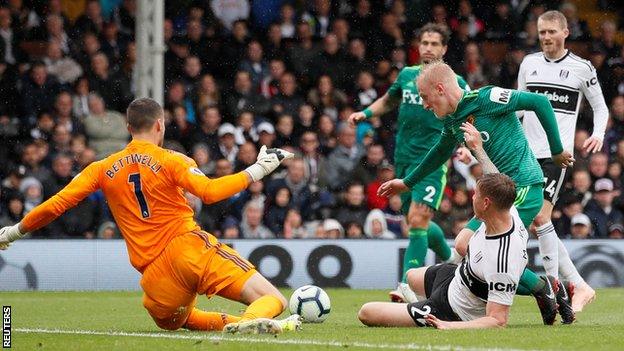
(117, 321)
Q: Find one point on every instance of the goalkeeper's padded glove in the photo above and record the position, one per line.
(9, 235)
(268, 160)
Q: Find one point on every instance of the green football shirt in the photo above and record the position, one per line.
(492, 111)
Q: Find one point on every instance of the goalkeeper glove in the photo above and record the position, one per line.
(268, 160)
(9, 235)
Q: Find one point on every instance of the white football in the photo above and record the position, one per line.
(311, 303)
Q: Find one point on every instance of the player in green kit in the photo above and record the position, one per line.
(417, 131)
(492, 112)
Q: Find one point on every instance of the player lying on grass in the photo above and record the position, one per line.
(479, 292)
(492, 112)
(144, 185)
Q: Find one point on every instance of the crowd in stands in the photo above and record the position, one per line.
(241, 73)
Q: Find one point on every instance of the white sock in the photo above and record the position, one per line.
(547, 238)
(568, 271)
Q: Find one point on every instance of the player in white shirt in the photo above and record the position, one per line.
(479, 292)
(564, 78)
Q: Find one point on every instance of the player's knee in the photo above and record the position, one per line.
(366, 314)
(411, 277)
(169, 324)
(418, 219)
(282, 300)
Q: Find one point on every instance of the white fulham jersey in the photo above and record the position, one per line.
(564, 82)
(490, 271)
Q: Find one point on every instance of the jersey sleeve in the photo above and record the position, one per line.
(501, 288)
(80, 187)
(593, 93)
(436, 157)
(506, 101)
(395, 89)
(186, 175)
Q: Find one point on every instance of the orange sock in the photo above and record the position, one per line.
(209, 321)
(268, 306)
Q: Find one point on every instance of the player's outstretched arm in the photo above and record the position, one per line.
(436, 157)
(187, 176)
(496, 316)
(80, 187)
(379, 107)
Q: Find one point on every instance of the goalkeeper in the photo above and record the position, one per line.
(144, 185)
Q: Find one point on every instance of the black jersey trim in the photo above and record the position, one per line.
(559, 60)
(552, 85)
(503, 255)
(566, 112)
(507, 233)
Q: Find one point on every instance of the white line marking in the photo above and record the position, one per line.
(221, 337)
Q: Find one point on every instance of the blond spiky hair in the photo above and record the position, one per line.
(437, 72)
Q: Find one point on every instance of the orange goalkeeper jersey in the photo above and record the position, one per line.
(144, 186)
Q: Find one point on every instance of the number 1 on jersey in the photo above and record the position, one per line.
(135, 178)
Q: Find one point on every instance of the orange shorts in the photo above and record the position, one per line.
(191, 264)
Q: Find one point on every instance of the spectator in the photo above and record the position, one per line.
(251, 225)
(109, 83)
(8, 88)
(362, 21)
(502, 25)
(233, 49)
(113, 42)
(192, 73)
(287, 21)
(384, 173)
(207, 93)
(285, 128)
(91, 21)
(354, 231)
(246, 156)
(107, 230)
(178, 50)
(367, 169)
(37, 92)
(15, 210)
(106, 129)
(353, 208)
(31, 160)
(395, 218)
(200, 46)
(342, 161)
(302, 196)
(340, 28)
(80, 98)
(375, 226)
(579, 30)
(266, 134)
(581, 185)
(243, 97)
(302, 55)
(326, 98)
(365, 93)
(319, 18)
(357, 58)
(598, 166)
(581, 227)
(330, 229)
(277, 210)
(245, 128)
(78, 222)
(65, 69)
(314, 162)
(606, 42)
(616, 231)
(269, 86)
(227, 147)
(293, 225)
(600, 209)
(10, 39)
(465, 12)
(332, 62)
(32, 193)
(287, 100)
(201, 156)
(63, 114)
(389, 37)
(305, 121)
(274, 44)
(253, 193)
(571, 206)
(255, 64)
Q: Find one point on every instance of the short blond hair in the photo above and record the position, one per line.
(436, 71)
(556, 16)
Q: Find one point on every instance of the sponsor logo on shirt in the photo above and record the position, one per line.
(500, 95)
(561, 99)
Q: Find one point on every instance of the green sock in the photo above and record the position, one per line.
(530, 283)
(437, 242)
(416, 250)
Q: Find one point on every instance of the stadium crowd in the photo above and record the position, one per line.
(240, 74)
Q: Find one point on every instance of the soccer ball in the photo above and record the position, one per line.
(311, 303)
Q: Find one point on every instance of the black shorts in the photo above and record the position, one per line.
(555, 178)
(437, 281)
